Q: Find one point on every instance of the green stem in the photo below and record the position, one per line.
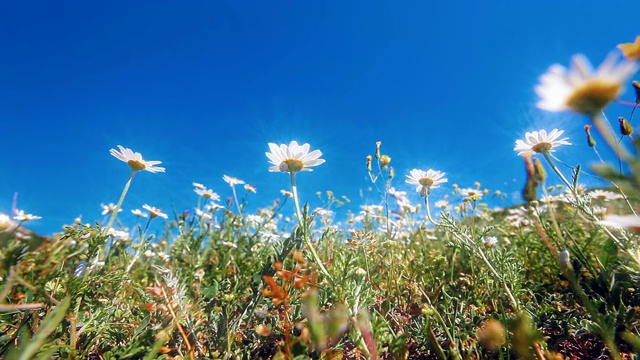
(305, 236)
(557, 171)
(120, 201)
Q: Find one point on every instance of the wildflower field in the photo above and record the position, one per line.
(556, 277)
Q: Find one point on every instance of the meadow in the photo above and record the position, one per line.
(555, 277)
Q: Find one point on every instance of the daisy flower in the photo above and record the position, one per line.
(232, 181)
(5, 222)
(250, 188)
(135, 161)
(540, 142)
(631, 50)
(426, 180)
(605, 195)
(138, 213)
(293, 157)
(22, 217)
(155, 212)
(109, 209)
(580, 88)
(207, 194)
(630, 222)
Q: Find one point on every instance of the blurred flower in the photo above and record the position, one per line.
(138, 213)
(489, 240)
(630, 222)
(198, 185)
(293, 157)
(22, 217)
(286, 193)
(631, 50)
(580, 89)
(425, 180)
(540, 142)
(605, 195)
(155, 212)
(250, 188)
(232, 181)
(475, 194)
(207, 194)
(135, 161)
(109, 209)
(5, 222)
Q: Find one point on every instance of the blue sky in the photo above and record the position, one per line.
(204, 85)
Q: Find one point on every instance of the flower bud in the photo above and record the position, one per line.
(369, 158)
(378, 143)
(385, 160)
(590, 141)
(636, 87)
(625, 128)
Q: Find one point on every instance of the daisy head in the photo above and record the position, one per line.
(135, 161)
(540, 142)
(155, 212)
(232, 181)
(426, 180)
(579, 88)
(293, 157)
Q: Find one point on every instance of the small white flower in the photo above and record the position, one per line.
(471, 193)
(138, 213)
(630, 222)
(293, 157)
(540, 142)
(426, 180)
(489, 240)
(135, 161)
(605, 195)
(250, 188)
(207, 194)
(580, 88)
(155, 212)
(232, 181)
(109, 209)
(22, 217)
(148, 254)
(5, 222)
(286, 193)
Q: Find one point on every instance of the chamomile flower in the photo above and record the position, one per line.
(135, 161)
(207, 194)
(630, 222)
(579, 88)
(155, 212)
(22, 217)
(604, 195)
(540, 142)
(109, 208)
(426, 180)
(631, 50)
(232, 181)
(293, 157)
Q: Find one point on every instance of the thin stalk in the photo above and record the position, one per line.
(607, 134)
(558, 172)
(305, 236)
(120, 201)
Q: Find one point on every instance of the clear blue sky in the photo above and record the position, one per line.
(204, 85)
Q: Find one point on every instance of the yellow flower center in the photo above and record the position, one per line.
(136, 165)
(542, 147)
(291, 165)
(593, 96)
(426, 182)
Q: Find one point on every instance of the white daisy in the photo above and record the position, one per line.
(232, 181)
(207, 194)
(630, 222)
(135, 161)
(426, 180)
(109, 209)
(580, 88)
(155, 212)
(22, 217)
(604, 195)
(293, 157)
(540, 142)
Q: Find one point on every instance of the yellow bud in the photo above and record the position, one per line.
(385, 160)
(378, 143)
(369, 158)
(392, 173)
(625, 128)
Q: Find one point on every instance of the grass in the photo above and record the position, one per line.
(479, 284)
(448, 279)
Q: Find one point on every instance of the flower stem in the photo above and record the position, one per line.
(120, 201)
(557, 171)
(305, 236)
